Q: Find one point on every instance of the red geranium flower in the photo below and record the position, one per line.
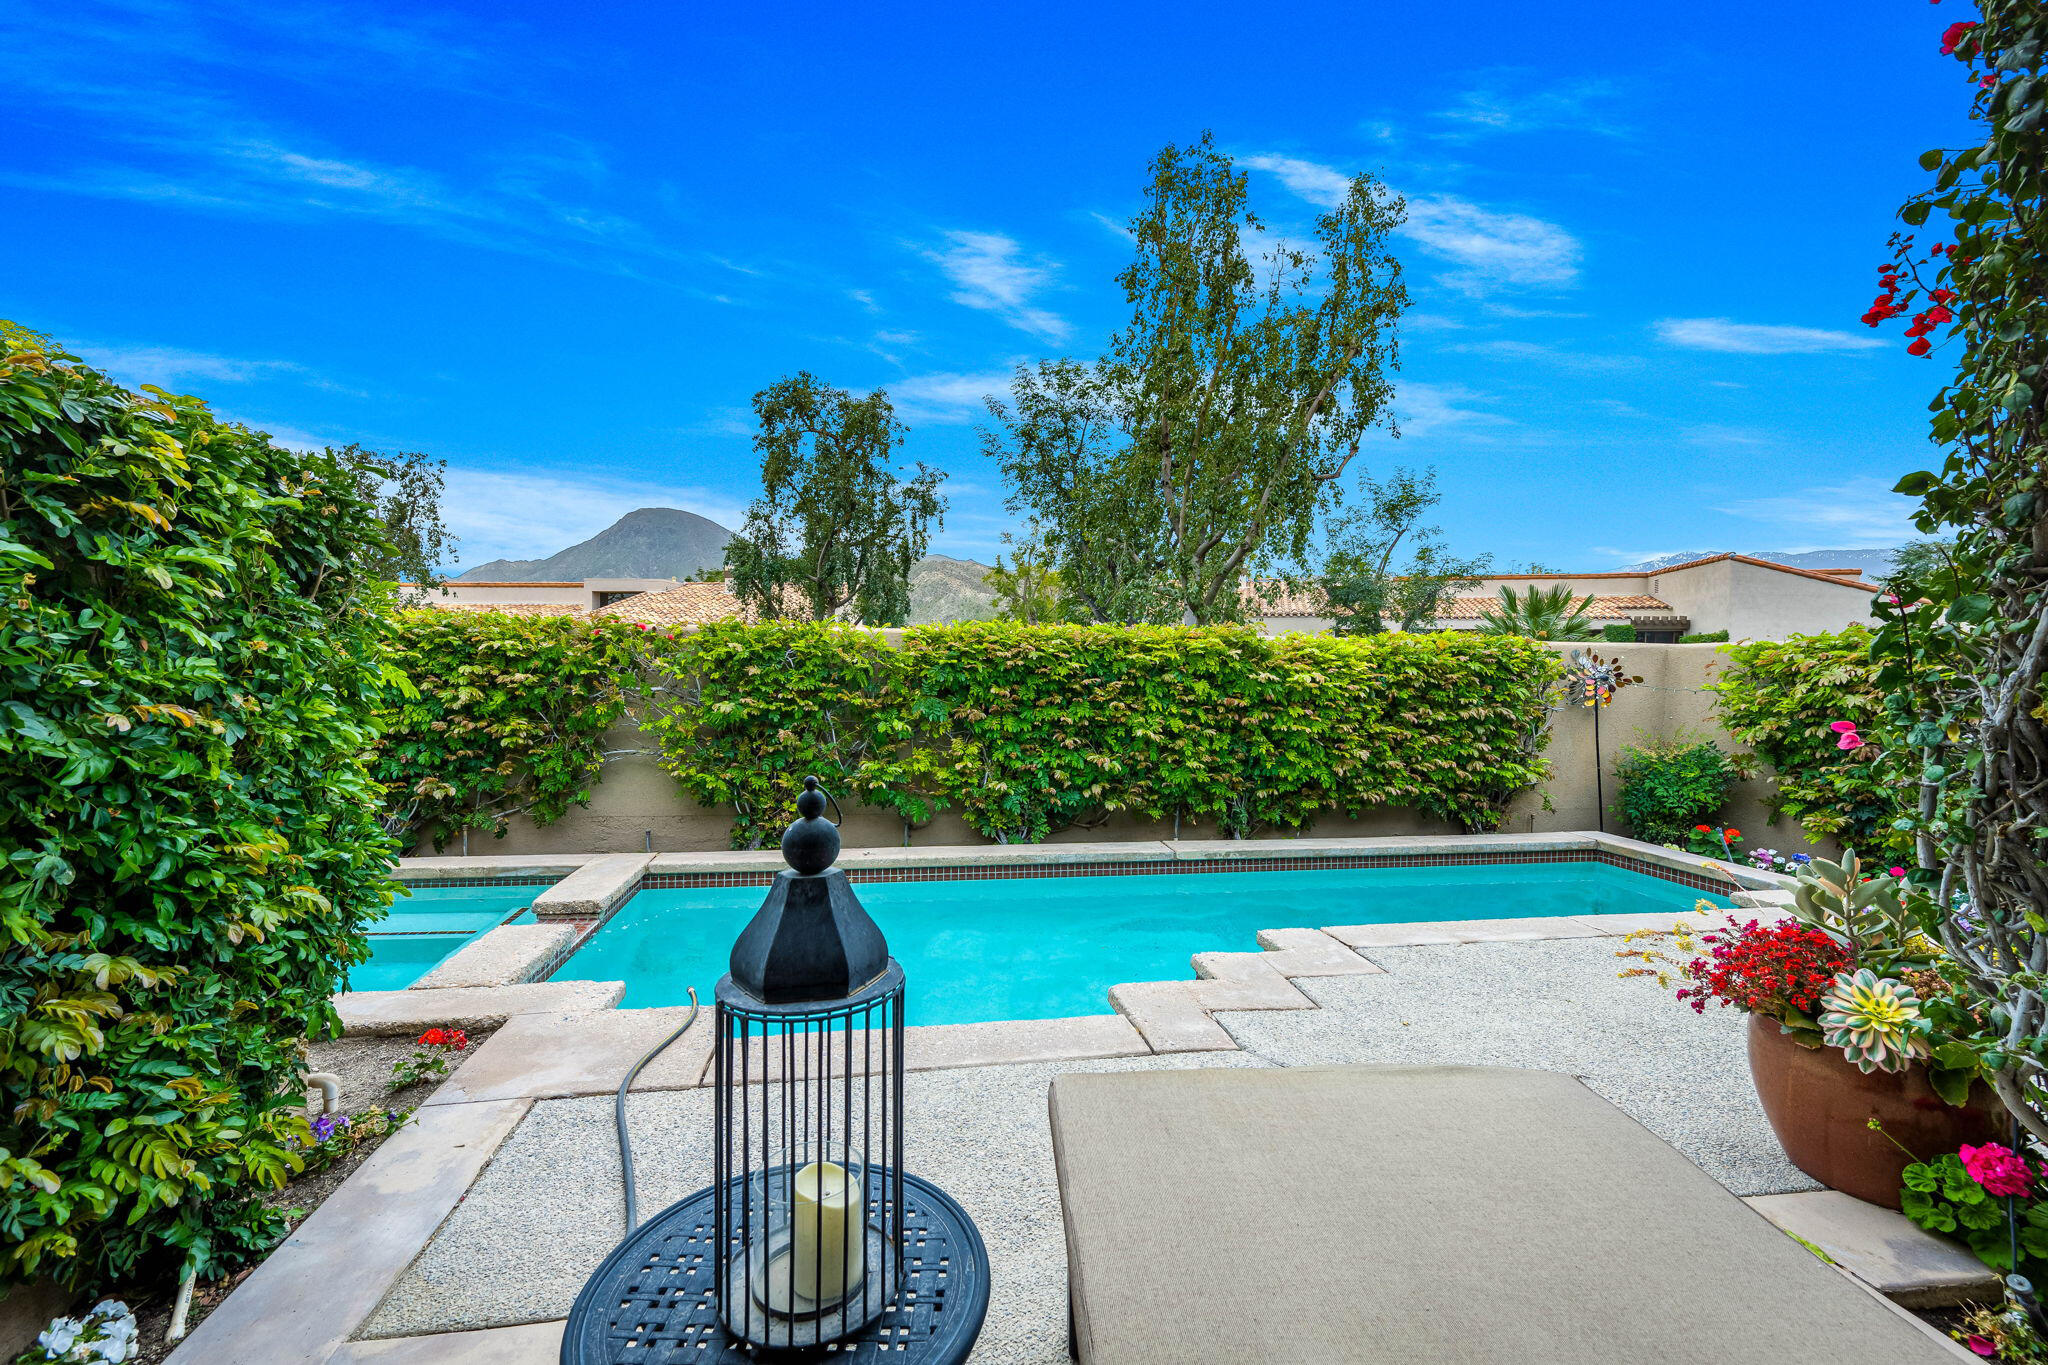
(433, 1037)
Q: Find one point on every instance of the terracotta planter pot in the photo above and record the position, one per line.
(1820, 1106)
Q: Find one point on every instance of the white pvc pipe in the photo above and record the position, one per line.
(182, 1309)
(330, 1089)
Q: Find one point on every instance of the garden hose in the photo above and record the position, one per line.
(619, 1114)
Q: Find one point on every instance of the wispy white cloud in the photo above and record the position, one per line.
(948, 398)
(864, 299)
(1858, 512)
(991, 272)
(1563, 357)
(1424, 409)
(1491, 248)
(168, 367)
(1110, 224)
(1319, 184)
(1496, 107)
(1715, 435)
(523, 514)
(1753, 338)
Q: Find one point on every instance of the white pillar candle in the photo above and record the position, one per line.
(830, 1231)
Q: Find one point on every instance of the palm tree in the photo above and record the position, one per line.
(1540, 614)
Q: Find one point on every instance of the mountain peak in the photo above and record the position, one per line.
(647, 542)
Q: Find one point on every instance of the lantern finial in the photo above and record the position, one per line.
(810, 940)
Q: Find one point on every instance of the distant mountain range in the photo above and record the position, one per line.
(653, 542)
(1874, 563)
(667, 542)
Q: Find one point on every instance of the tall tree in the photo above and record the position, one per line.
(1214, 431)
(406, 489)
(835, 532)
(1029, 588)
(1367, 592)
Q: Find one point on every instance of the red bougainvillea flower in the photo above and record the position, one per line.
(1952, 36)
(1983, 1346)
(1920, 347)
(433, 1037)
(1942, 296)
(1997, 1169)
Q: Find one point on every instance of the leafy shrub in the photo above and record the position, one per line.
(1025, 730)
(496, 716)
(1619, 632)
(1781, 696)
(1667, 788)
(1705, 637)
(188, 661)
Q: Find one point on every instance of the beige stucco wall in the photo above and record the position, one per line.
(585, 594)
(637, 805)
(1752, 602)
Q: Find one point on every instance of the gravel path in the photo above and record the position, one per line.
(1556, 1005)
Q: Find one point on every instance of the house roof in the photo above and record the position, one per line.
(1848, 577)
(687, 604)
(1600, 608)
(512, 608)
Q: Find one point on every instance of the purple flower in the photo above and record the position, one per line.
(327, 1125)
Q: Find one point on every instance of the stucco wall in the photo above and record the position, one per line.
(1752, 602)
(638, 805)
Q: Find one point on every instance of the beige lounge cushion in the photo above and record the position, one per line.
(1328, 1215)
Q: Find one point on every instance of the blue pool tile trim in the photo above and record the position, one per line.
(1195, 867)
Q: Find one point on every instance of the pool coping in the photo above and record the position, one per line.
(582, 892)
(562, 1039)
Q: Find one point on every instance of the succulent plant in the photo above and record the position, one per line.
(1874, 915)
(1875, 1020)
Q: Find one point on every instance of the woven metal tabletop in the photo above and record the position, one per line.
(651, 1302)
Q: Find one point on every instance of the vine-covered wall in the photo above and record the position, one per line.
(1021, 732)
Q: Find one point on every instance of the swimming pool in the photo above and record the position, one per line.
(424, 929)
(1048, 947)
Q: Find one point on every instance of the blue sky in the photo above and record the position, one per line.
(561, 247)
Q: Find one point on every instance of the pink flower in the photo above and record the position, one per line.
(1842, 727)
(1983, 1346)
(1896, 871)
(1997, 1169)
(1849, 738)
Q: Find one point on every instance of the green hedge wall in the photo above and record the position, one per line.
(188, 659)
(1780, 697)
(1026, 730)
(496, 715)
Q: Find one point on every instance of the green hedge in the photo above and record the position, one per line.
(1705, 637)
(496, 715)
(1619, 632)
(187, 664)
(1780, 696)
(1026, 730)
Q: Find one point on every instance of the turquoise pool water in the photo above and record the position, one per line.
(1046, 947)
(424, 928)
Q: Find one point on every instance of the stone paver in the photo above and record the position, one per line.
(1883, 1248)
(548, 1209)
(391, 1013)
(1555, 1005)
(504, 956)
(1169, 1016)
(328, 1275)
(439, 868)
(534, 1343)
(1311, 952)
(593, 890)
(547, 1055)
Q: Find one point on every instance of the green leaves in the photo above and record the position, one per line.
(1025, 731)
(187, 665)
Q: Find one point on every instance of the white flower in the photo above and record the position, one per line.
(111, 1308)
(60, 1337)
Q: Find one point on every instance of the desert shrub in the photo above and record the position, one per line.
(494, 716)
(188, 663)
(1669, 787)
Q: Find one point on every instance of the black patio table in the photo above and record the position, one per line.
(651, 1302)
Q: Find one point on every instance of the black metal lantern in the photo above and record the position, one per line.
(807, 1067)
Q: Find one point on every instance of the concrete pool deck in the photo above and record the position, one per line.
(467, 1235)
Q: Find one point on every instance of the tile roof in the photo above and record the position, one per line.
(1611, 608)
(1847, 577)
(512, 608)
(687, 604)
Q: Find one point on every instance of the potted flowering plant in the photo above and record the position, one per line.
(1855, 1015)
